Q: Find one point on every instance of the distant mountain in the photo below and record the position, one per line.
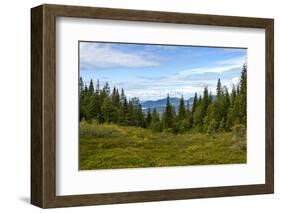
(160, 104)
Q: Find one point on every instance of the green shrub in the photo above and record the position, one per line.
(156, 126)
(87, 131)
(239, 132)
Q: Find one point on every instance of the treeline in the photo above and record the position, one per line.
(207, 114)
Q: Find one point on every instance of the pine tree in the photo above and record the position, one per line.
(182, 111)
(205, 102)
(188, 119)
(148, 118)
(106, 89)
(233, 93)
(198, 115)
(187, 107)
(155, 124)
(81, 99)
(219, 89)
(210, 98)
(194, 105)
(81, 85)
(123, 108)
(91, 87)
(243, 93)
(98, 87)
(243, 80)
(131, 118)
(107, 110)
(168, 114)
(136, 112)
(115, 98)
(140, 116)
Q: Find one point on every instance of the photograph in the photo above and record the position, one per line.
(161, 105)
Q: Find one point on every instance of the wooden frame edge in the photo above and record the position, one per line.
(36, 106)
(43, 181)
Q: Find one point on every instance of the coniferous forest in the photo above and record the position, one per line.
(115, 131)
(207, 114)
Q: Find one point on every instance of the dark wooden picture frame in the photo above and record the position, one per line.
(43, 105)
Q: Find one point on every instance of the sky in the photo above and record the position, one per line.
(150, 72)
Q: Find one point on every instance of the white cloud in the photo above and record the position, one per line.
(94, 55)
(238, 61)
(221, 67)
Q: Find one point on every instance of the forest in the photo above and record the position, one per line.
(207, 115)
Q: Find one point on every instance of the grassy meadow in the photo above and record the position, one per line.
(111, 146)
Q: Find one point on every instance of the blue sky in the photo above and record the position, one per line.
(151, 71)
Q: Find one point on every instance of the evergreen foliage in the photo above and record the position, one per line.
(207, 114)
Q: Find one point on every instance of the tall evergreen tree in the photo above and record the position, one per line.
(148, 118)
(198, 115)
(116, 98)
(243, 93)
(91, 87)
(155, 124)
(195, 100)
(233, 93)
(81, 85)
(187, 106)
(124, 108)
(106, 89)
(205, 102)
(182, 111)
(98, 87)
(219, 88)
(168, 114)
(107, 110)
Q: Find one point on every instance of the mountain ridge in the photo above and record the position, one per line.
(160, 104)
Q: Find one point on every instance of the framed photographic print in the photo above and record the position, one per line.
(136, 106)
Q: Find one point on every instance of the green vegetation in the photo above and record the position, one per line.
(207, 115)
(109, 146)
(116, 133)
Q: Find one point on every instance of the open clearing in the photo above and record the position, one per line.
(109, 146)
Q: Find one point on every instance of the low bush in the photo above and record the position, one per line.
(87, 131)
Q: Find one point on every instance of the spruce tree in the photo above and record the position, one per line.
(106, 89)
(140, 116)
(243, 93)
(194, 105)
(131, 118)
(148, 118)
(91, 87)
(107, 110)
(155, 124)
(205, 102)
(187, 106)
(182, 111)
(98, 87)
(233, 92)
(219, 88)
(81, 85)
(123, 108)
(198, 116)
(168, 114)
